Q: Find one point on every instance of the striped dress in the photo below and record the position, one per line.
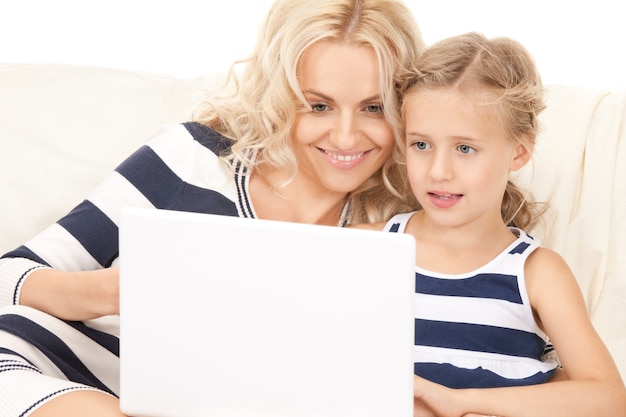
(41, 356)
(477, 329)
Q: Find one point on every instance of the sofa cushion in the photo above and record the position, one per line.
(64, 127)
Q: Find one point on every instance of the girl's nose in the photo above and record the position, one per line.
(441, 167)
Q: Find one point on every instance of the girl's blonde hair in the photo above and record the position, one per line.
(260, 112)
(498, 73)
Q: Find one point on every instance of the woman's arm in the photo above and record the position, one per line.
(593, 385)
(85, 241)
(82, 295)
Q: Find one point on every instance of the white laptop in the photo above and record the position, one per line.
(227, 316)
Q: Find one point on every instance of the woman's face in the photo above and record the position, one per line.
(344, 138)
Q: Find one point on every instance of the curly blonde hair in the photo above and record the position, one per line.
(497, 72)
(260, 111)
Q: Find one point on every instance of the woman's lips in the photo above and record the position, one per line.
(344, 160)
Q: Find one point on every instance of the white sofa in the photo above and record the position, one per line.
(62, 128)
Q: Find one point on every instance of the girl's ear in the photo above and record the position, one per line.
(521, 155)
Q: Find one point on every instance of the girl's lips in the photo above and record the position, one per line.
(344, 160)
(444, 200)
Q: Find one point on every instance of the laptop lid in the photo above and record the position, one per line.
(228, 316)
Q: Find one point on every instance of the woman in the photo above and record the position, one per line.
(304, 138)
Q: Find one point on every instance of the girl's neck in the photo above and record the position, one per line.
(456, 250)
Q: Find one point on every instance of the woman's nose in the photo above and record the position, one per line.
(345, 132)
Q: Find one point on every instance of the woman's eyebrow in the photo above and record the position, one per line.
(319, 94)
(375, 97)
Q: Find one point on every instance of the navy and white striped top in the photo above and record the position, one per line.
(477, 329)
(177, 169)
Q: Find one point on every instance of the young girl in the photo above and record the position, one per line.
(487, 295)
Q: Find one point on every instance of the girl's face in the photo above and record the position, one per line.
(458, 157)
(344, 138)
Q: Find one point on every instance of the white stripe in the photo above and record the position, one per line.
(197, 164)
(114, 190)
(23, 390)
(510, 367)
(59, 248)
(12, 275)
(473, 310)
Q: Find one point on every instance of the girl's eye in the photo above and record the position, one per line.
(319, 108)
(420, 145)
(465, 149)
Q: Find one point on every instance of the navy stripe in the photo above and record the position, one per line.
(94, 231)
(394, 228)
(453, 377)
(519, 248)
(209, 138)
(53, 348)
(147, 172)
(478, 338)
(24, 252)
(496, 286)
(202, 200)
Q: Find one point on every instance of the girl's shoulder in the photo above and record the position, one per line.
(396, 224)
(368, 226)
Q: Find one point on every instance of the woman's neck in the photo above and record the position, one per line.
(293, 202)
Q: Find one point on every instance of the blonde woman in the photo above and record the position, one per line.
(305, 136)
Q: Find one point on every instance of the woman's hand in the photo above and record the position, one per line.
(82, 295)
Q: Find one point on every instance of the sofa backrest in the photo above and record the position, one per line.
(63, 128)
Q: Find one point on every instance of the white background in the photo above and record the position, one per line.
(575, 42)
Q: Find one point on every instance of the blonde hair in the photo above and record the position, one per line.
(260, 113)
(499, 73)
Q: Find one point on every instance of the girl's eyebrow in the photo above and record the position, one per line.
(470, 138)
(462, 138)
(375, 97)
(421, 135)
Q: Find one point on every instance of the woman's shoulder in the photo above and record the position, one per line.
(208, 137)
(187, 138)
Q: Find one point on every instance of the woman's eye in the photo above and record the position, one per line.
(374, 108)
(465, 149)
(319, 108)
